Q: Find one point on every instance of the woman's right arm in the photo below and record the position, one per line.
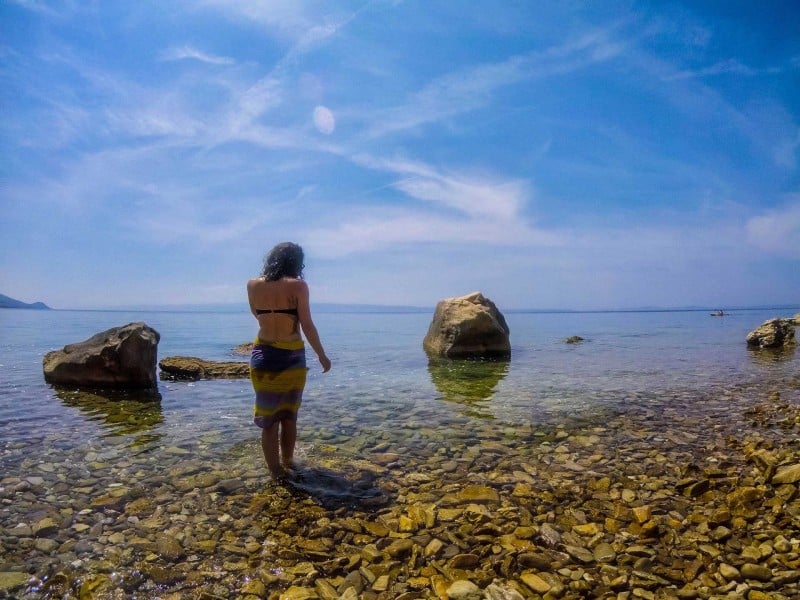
(307, 324)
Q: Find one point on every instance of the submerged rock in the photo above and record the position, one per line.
(120, 357)
(774, 333)
(192, 368)
(12, 580)
(469, 326)
(573, 339)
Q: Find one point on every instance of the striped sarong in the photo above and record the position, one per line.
(278, 373)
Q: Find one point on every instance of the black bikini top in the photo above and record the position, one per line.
(283, 311)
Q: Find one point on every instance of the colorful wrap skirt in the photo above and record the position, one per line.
(278, 373)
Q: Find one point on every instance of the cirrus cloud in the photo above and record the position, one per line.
(777, 231)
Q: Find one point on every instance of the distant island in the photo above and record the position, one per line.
(6, 302)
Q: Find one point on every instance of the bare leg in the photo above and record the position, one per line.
(269, 444)
(288, 439)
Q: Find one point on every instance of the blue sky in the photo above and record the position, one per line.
(576, 155)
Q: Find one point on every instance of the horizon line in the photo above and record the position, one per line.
(344, 307)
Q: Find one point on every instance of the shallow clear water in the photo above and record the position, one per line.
(379, 421)
(380, 374)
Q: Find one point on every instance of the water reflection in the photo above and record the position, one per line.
(128, 412)
(771, 356)
(469, 383)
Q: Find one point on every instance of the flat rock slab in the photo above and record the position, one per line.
(190, 368)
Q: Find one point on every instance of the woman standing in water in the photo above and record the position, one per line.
(279, 301)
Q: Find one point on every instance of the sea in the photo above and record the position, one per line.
(82, 456)
(380, 373)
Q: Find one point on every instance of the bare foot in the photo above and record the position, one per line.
(279, 474)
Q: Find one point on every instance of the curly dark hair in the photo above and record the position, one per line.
(284, 260)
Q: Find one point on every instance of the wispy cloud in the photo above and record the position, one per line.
(487, 197)
(725, 67)
(305, 25)
(778, 231)
(188, 52)
(179, 220)
(382, 231)
(38, 6)
(287, 17)
(767, 125)
(468, 89)
(465, 209)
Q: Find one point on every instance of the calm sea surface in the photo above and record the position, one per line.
(81, 466)
(380, 374)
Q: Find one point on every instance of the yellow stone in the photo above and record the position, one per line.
(612, 525)
(450, 514)
(298, 593)
(536, 583)
(522, 490)
(407, 524)
(433, 547)
(418, 583)
(641, 513)
(603, 484)
(439, 585)
(254, 587)
(207, 546)
(587, 529)
(376, 529)
(381, 583)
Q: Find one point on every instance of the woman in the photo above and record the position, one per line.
(279, 301)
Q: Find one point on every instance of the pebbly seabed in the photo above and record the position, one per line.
(657, 501)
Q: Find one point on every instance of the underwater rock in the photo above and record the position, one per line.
(573, 339)
(120, 357)
(12, 580)
(469, 326)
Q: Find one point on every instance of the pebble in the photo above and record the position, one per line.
(464, 590)
(660, 502)
(536, 583)
(757, 572)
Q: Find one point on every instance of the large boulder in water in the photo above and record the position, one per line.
(120, 357)
(470, 326)
(774, 333)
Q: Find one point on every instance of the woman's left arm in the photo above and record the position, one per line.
(307, 324)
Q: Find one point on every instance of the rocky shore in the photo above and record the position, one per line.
(667, 500)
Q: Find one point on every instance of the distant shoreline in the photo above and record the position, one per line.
(8, 302)
(334, 308)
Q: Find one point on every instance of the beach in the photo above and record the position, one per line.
(620, 483)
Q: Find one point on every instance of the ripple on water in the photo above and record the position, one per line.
(378, 440)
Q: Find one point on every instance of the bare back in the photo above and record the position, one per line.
(276, 306)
